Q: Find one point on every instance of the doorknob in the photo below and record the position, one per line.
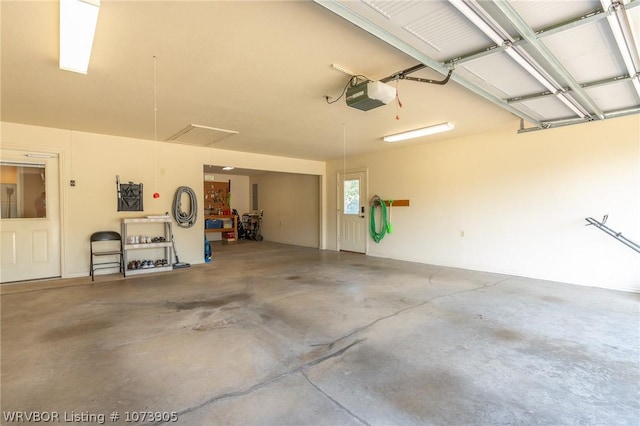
(361, 211)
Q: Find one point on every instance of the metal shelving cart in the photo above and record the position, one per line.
(130, 233)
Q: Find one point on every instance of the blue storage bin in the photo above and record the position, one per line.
(213, 224)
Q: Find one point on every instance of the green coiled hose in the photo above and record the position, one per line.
(378, 235)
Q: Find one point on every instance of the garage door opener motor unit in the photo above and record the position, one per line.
(370, 94)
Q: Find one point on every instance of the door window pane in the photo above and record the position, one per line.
(352, 196)
(22, 191)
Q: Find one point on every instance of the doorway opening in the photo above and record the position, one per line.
(288, 205)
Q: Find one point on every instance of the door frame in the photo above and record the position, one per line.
(62, 172)
(365, 194)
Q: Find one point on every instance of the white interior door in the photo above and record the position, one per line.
(352, 215)
(29, 211)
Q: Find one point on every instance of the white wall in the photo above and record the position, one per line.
(94, 160)
(291, 204)
(521, 201)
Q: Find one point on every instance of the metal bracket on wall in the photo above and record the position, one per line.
(396, 203)
(403, 75)
(617, 235)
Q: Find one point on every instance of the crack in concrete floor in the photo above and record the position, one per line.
(330, 345)
(266, 382)
(408, 308)
(335, 401)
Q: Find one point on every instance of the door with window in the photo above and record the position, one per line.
(29, 216)
(352, 216)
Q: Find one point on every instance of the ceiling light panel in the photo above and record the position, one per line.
(78, 20)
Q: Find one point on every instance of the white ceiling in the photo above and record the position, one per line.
(263, 69)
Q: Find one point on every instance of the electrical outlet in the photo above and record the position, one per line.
(72, 182)
(462, 233)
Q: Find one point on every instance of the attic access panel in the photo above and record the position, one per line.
(200, 135)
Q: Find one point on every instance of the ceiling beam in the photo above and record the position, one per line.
(578, 94)
(589, 18)
(562, 123)
(588, 85)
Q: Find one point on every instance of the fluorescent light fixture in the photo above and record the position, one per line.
(417, 133)
(621, 29)
(226, 168)
(78, 19)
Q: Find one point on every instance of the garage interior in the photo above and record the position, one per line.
(491, 298)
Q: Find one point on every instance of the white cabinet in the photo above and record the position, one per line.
(140, 256)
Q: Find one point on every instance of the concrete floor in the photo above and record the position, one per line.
(270, 334)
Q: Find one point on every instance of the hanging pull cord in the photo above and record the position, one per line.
(378, 235)
(398, 102)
